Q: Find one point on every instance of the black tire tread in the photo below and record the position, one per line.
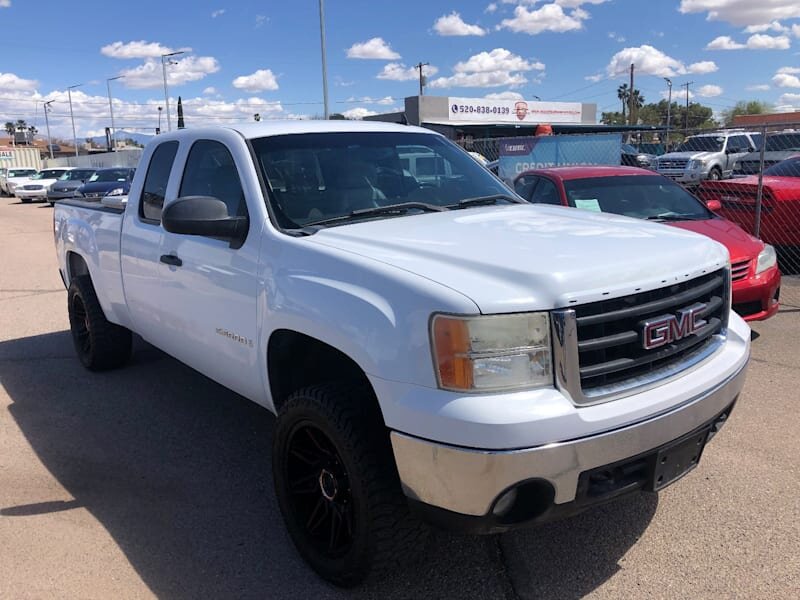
(111, 343)
(397, 536)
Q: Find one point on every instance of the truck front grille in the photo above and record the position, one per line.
(672, 163)
(600, 347)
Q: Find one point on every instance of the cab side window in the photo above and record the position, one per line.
(210, 171)
(546, 193)
(155, 184)
(525, 185)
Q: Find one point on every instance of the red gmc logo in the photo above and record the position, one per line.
(666, 329)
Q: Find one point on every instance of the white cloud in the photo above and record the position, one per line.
(137, 49)
(796, 31)
(491, 8)
(385, 101)
(702, 68)
(453, 24)
(774, 26)
(594, 78)
(651, 61)
(260, 81)
(761, 87)
(724, 42)
(218, 13)
(10, 82)
(678, 94)
(496, 68)
(340, 82)
(373, 48)
(149, 74)
(743, 12)
(5, 3)
(550, 17)
(709, 91)
(210, 91)
(507, 95)
(787, 77)
(792, 100)
(260, 20)
(762, 41)
(616, 37)
(359, 112)
(399, 72)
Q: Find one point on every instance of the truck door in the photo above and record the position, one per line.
(209, 289)
(738, 146)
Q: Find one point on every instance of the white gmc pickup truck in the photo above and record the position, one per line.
(434, 348)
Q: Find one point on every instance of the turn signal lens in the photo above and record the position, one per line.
(493, 352)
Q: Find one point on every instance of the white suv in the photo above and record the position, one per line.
(707, 156)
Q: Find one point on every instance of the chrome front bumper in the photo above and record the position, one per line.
(468, 481)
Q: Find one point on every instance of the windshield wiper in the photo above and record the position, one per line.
(390, 209)
(674, 217)
(492, 199)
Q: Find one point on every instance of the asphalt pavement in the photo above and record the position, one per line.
(153, 481)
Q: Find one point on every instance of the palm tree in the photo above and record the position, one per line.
(623, 93)
(10, 129)
(32, 130)
(636, 101)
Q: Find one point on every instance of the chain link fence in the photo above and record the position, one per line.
(748, 176)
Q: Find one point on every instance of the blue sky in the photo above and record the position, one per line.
(247, 57)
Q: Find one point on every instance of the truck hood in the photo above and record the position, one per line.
(531, 257)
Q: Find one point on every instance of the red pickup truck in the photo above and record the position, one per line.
(638, 193)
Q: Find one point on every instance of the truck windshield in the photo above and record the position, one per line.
(110, 175)
(49, 174)
(783, 141)
(639, 196)
(704, 143)
(318, 177)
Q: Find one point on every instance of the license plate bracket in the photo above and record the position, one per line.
(678, 458)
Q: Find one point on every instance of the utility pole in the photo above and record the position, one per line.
(72, 117)
(47, 122)
(324, 59)
(631, 100)
(669, 108)
(166, 90)
(422, 80)
(158, 129)
(686, 116)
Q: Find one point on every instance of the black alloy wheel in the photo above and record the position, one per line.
(320, 488)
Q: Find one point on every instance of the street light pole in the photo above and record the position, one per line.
(72, 117)
(166, 89)
(160, 108)
(669, 108)
(47, 122)
(111, 110)
(324, 59)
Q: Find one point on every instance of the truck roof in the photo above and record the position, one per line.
(270, 128)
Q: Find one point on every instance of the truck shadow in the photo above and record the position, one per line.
(177, 470)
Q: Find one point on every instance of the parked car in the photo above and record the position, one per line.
(441, 350)
(642, 194)
(113, 181)
(707, 156)
(68, 184)
(632, 157)
(778, 146)
(780, 206)
(14, 177)
(37, 186)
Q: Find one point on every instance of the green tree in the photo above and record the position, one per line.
(10, 129)
(612, 118)
(745, 107)
(624, 93)
(635, 102)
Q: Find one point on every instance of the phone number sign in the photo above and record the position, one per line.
(512, 111)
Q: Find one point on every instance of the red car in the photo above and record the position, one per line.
(780, 205)
(643, 194)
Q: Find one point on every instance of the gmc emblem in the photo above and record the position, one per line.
(666, 329)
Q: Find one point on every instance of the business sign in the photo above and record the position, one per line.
(481, 110)
(6, 154)
(524, 153)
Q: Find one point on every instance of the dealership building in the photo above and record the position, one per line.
(474, 118)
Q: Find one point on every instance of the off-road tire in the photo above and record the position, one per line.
(384, 534)
(100, 344)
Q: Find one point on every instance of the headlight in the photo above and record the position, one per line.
(767, 259)
(116, 192)
(492, 353)
(11, 185)
(697, 164)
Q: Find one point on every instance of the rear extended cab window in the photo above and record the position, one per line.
(155, 183)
